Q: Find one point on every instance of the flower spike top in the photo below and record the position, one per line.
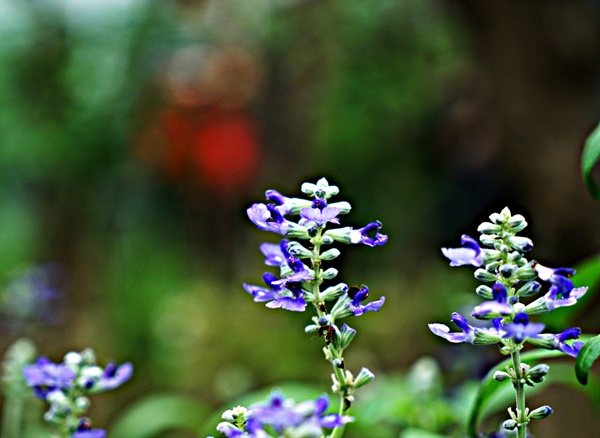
(501, 260)
(310, 228)
(508, 277)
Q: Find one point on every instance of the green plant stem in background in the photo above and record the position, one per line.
(520, 395)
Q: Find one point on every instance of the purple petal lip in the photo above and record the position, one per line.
(469, 254)
(321, 216)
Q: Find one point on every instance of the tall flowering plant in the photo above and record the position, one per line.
(300, 258)
(509, 280)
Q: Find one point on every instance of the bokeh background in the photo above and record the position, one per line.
(135, 133)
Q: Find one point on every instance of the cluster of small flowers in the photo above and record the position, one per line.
(282, 417)
(301, 278)
(66, 387)
(510, 277)
(300, 283)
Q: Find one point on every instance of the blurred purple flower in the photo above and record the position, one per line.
(469, 254)
(45, 376)
(113, 377)
(84, 430)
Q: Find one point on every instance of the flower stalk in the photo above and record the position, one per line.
(508, 278)
(301, 257)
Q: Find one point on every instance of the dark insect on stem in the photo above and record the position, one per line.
(328, 331)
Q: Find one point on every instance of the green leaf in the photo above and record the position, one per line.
(419, 433)
(589, 159)
(154, 415)
(586, 357)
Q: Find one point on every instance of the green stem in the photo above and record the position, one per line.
(12, 418)
(338, 432)
(520, 395)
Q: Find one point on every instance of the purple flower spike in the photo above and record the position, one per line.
(560, 344)
(45, 377)
(499, 306)
(469, 254)
(558, 277)
(521, 328)
(357, 296)
(362, 235)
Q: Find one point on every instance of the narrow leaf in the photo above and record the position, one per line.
(589, 159)
(586, 357)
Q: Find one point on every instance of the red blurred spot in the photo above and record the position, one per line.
(226, 151)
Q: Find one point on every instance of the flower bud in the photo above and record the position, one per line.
(509, 424)
(73, 358)
(88, 357)
(326, 240)
(329, 273)
(528, 289)
(541, 412)
(364, 376)
(522, 244)
(297, 231)
(489, 228)
(525, 273)
(82, 404)
(299, 251)
(507, 270)
(485, 276)
(537, 373)
(346, 335)
(517, 223)
(501, 375)
(488, 240)
(484, 292)
(330, 254)
(490, 267)
(497, 218)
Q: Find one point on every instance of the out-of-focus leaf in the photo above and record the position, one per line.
(154, 415)
(419, 433)
(586, 357)
(589, 159)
